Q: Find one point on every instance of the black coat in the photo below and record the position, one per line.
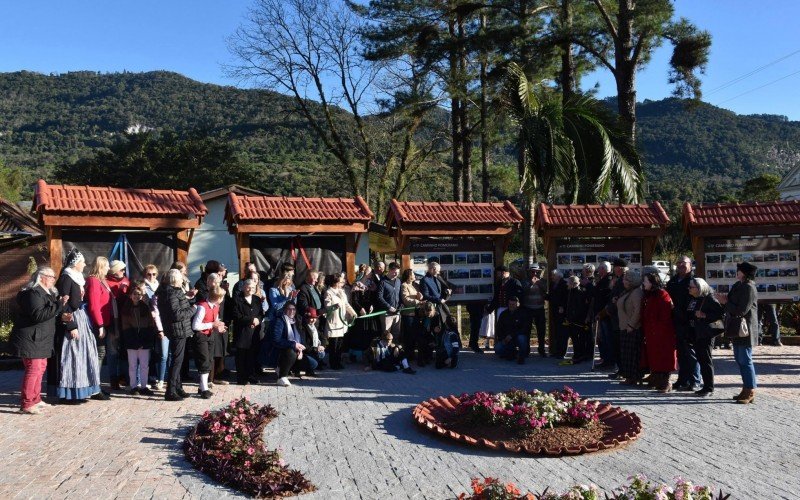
(243, 314)
(35, 324)
(176, 312)
(557, 298)
(743, 302)
(577, 308)
(678, 290)
(305, 299)
(601, 294)
(138, 326)
(513, 323)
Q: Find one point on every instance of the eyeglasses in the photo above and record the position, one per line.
(152, 274)
(48, 276)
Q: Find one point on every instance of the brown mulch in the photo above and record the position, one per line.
(557, 437)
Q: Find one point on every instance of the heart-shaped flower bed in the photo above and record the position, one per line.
(533, 422)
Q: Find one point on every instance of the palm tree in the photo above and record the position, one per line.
(576, 146)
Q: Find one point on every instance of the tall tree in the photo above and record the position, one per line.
(630, 30)
(310, 49)
(11, 182)
(761, 188)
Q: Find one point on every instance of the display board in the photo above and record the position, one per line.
(466, 263)
(573, 253)
(778, 275)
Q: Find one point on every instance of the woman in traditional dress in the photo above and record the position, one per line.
(79, 378)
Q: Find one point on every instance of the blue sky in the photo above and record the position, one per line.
(188, 36)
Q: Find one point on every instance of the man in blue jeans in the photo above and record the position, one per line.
(513, 332)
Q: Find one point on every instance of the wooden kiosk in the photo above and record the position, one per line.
(322, 233)
(147, 225)
(765, 234)
(468, 239)
(575, 235)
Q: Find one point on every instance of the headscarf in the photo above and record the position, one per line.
(72, 258)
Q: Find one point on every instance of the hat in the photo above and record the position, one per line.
(534, 267)
(311, 313)
(116, 266)
(619, 262)
(747, 268)
(502, 268)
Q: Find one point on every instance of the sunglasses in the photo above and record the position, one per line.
(152, 274)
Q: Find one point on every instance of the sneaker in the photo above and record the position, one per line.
(284, 382)
(144, 391)
(409, 370)
(159, 385)
(205, 394)
(31, 410)
(43, 405)
(704, 392)
(135, 391)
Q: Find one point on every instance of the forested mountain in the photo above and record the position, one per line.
(695, 152)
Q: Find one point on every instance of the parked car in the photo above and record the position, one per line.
(663, 266)
(653, 268)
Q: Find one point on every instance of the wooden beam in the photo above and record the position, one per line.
(119, 222)
(298, 228)
(182, 247)
(404, 247)
(699, 250)
(457, 232)
(648, 249)
(619, 232)
(736, 231)
(55, 248)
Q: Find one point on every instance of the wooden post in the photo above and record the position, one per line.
(182, 250)
(243, 249)
(699, 250)
(405, 252)
(648, 249)
(350, 257)
(55, 248)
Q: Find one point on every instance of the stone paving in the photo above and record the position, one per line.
(351, 433)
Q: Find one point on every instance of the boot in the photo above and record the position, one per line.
(740, 395)
(749, 396)
(662, 384)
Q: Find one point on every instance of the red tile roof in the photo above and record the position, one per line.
(90, 200)
(747, 214)
(454, 212)
(242, 209)
(573, 216)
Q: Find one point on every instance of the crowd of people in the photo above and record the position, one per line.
(644, 329)
(147, 331)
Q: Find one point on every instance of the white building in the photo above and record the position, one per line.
(790, 185)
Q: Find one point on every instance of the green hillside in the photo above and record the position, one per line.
(698, 153)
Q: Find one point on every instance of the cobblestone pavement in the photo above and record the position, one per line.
(351, 433)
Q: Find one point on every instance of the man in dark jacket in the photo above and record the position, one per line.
(533, 293)
(389, 299)
(513, 332)
(601, 295)
(678, 289)
(308, 297)
(506, 287)
(557, 301)
(577, 319)
(33, 334)
(434, 290)
(620, 267)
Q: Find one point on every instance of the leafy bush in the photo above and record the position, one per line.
(5, 331)
(227, 445)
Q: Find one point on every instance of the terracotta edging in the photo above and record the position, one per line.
(624, 427)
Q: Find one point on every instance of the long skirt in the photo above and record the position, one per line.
(630, 346)
(80, 369)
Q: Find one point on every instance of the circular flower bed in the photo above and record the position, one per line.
(533, 422)
(227, 444)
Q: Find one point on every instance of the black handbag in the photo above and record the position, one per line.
(736, 327)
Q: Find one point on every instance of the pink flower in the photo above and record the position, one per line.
(247, 463)
(251, 450)
(281, 463)
(228, 438)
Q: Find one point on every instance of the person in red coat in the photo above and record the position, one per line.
(100, 307)
(659, 334)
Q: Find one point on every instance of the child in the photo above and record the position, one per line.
(138, 337)
(388, 357)
(448, 345)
